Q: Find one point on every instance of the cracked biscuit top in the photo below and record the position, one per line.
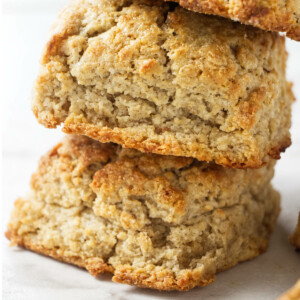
(271, 15)
(153, 221)
(177, 190)
(156, 77)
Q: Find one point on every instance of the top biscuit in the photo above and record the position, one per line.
(158, 78)
(271, 15)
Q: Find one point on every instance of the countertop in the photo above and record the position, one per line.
(26, 275)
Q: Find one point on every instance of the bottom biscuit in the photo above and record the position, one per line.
(109, 210)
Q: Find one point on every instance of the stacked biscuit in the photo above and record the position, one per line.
(177, 118)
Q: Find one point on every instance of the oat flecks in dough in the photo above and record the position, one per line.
(162, 222)
(271, 15)
(165, 80)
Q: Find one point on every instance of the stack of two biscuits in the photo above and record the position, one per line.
(191, 111)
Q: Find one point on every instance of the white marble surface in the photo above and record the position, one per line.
(27, 275)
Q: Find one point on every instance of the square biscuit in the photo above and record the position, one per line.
(165, 80)
(161, 222)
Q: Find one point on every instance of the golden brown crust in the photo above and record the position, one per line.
(153, 221)
(172, 88)
(162, 280)
(124, 173)
(276, 151)
(271, 15)
(295, 238)
(95, 266)
(172, 147)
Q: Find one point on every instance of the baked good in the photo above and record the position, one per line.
(162, 79)
(293, 293)
(162, 222)
(295, 238)
(274, 15)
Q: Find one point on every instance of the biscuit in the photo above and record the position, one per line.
(274, 15)
(159, 78)
(162, 222)
(293, 293)
(295, 238)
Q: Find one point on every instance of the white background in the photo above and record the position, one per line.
(24, 27)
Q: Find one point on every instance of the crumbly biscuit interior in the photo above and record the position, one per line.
(165, 74)
(146, 212)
